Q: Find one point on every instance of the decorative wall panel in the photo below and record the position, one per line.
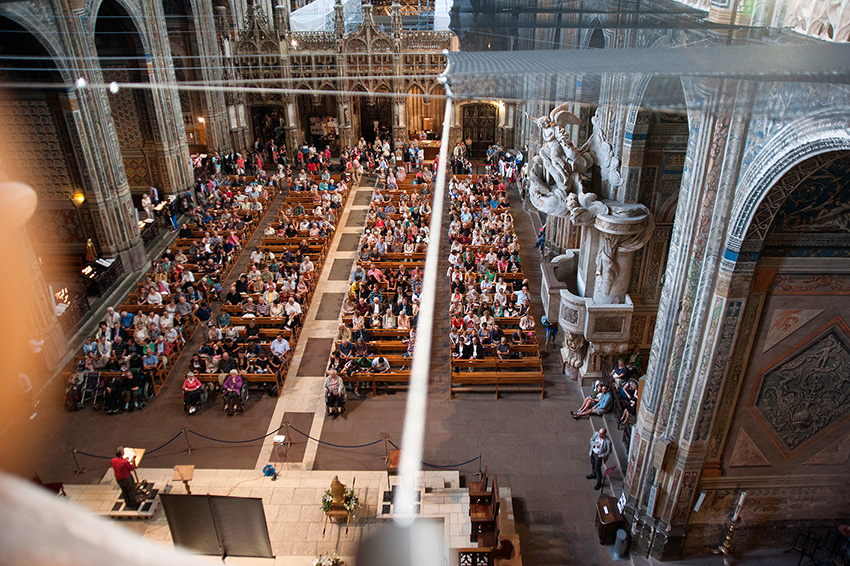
(30, 126)
(807, 389)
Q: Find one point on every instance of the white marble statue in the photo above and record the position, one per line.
(556, 171)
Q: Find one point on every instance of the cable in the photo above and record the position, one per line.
(241, 482)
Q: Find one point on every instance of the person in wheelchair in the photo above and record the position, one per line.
(232, 388)
(192, 388)
(334, 389)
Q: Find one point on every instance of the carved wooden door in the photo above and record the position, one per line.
(479, 126)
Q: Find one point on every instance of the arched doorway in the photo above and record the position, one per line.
(479, 127)
(435, 107)
(37, 127)
(376, 117)
(779, 399)
(318, 113)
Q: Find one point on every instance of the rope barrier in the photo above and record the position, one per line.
(451, 465)
(173, 438)
(335, 445)
(92, 455)
(393, 444)
(235, 441)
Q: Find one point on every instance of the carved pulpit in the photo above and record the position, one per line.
(586, 289)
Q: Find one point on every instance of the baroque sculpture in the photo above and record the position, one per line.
(565, 180)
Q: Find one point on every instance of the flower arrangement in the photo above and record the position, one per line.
(351, 501)
(332, 560)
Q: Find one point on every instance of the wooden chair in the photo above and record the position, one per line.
(56, 487)
(478, 489)
(484, 516)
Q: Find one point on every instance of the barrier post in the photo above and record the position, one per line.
(78, 469)
(186, 436)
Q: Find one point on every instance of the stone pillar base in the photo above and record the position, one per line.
(134, 258)
(591, 370)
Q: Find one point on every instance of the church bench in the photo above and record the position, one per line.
(384, 333)
(527, 350)
(294, 241)
(273, 382)
(424, 220)
(384, 265)
(395, 378)
(499, 380)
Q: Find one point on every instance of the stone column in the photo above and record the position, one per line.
(108, 207)
(212, 72)
(293, 131)
(697, 321)
(168, 131)
(344, 113)
(399, 119)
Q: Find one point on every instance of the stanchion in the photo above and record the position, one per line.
(186, 436)
(288, 434)
(79, 470)
(386, 437)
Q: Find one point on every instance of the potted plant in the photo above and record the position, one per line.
(332, 560)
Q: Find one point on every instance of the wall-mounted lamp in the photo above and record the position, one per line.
(294, 43)
(201, 119)
(79, 197)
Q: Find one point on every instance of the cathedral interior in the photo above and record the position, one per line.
(686, 164)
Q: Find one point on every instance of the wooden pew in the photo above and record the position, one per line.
(523, 374)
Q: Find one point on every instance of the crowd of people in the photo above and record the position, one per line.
(138, 341)
(620, 390)
(386, 282)
(484, 269)
(276, 287)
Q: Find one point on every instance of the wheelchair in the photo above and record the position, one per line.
(202, 399)
(239, 405)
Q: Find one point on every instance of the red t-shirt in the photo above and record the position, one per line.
(122, 468)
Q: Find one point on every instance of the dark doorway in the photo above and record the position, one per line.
(380, 111)
(479, 126)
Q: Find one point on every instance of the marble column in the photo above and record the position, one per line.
(108, 207)
(697, 321)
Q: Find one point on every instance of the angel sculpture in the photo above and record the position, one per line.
(556, 170)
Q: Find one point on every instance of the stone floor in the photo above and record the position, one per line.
(539, 453)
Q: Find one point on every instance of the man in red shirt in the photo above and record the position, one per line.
(123, 470)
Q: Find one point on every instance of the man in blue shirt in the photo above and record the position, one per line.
(602, 405)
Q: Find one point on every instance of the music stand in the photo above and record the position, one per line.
(184, 473)
(141, 485)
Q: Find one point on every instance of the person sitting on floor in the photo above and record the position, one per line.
(599, 407)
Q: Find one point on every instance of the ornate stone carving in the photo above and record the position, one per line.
(824, 19)
(811, 285)
(573, 350)
(802, 396)
(557, 168)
